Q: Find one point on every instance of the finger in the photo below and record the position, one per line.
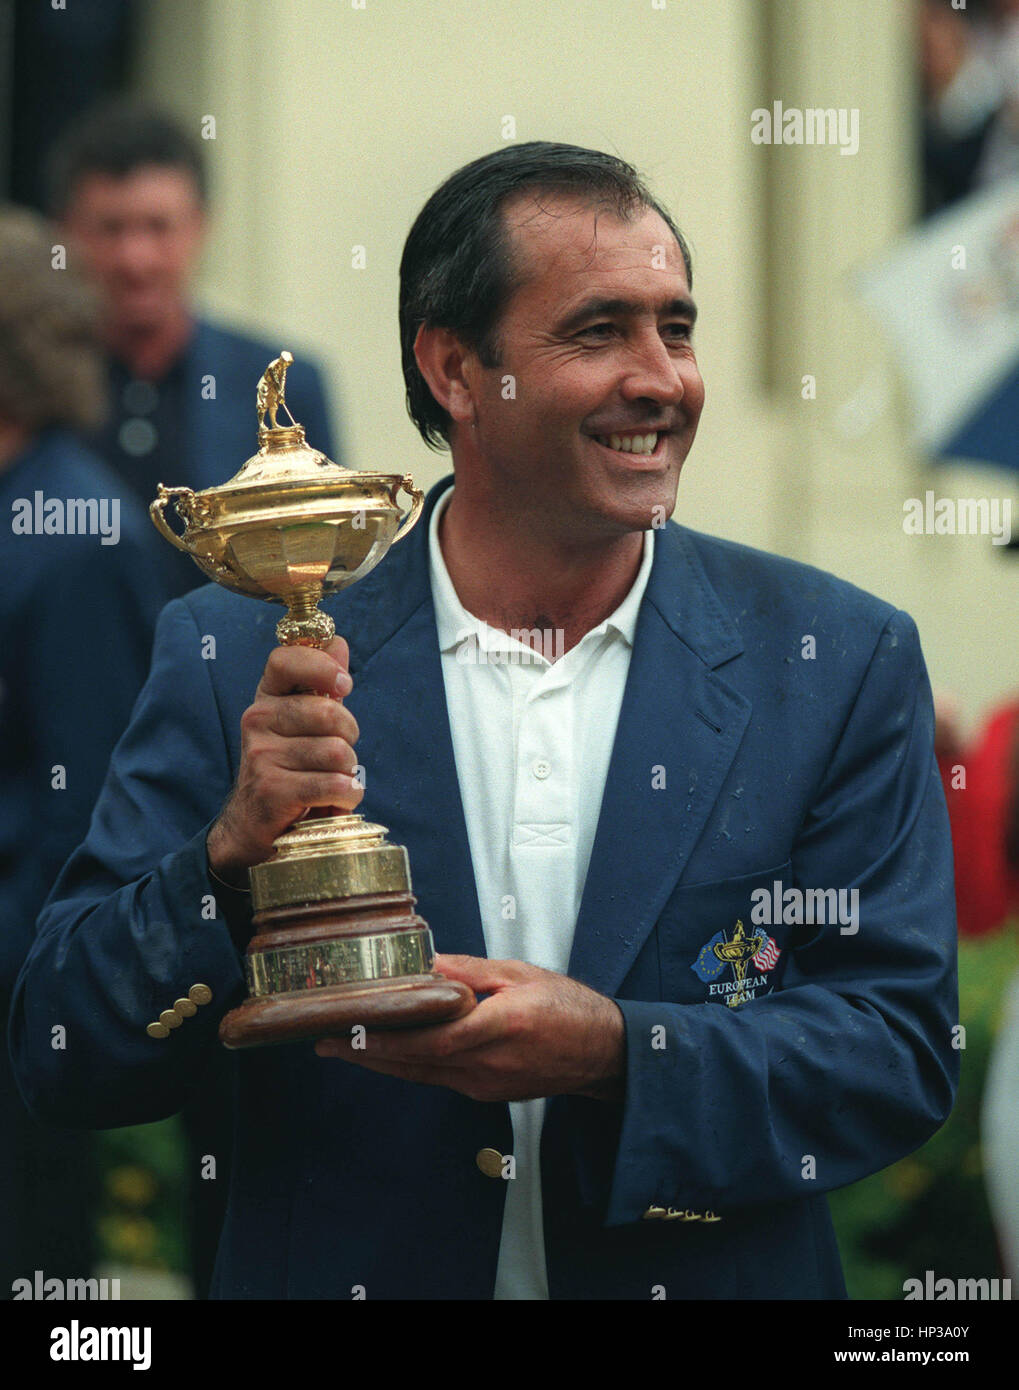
(444, 1042)
(293, 716)
(483, 974)
(316, 755)
(338, 649)
(325, 789)
(290, 669)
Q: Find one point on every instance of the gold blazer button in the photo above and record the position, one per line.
(157, 1030)
(490, 1162)
(199, 994)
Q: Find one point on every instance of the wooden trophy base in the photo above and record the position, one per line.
(319, 970)
(330, 1012)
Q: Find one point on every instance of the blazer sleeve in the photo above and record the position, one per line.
(854, 1062)
(133, 922)
(88, 633)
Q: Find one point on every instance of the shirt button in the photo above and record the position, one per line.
(541, 768)
(137, 437)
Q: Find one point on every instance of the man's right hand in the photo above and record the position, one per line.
(296, 752)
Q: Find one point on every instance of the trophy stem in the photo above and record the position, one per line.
(305, 625)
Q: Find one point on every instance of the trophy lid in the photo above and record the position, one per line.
(284, 458)
(291, 525)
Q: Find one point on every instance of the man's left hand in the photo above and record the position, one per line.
(537, 1034)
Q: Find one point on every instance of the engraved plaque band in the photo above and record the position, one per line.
(348, 960)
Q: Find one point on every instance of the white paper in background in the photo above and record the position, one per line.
(957, 330)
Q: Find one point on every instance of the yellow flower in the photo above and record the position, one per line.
(131, 1185)
(132, 1237)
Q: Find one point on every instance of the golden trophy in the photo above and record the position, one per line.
(336, 941)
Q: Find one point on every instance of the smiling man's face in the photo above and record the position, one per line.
(606, 393)
(139, 236)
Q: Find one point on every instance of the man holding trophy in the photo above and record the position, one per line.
(624, 1075)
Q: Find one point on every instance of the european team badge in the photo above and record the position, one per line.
(740, 951)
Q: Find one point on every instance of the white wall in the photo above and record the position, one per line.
(334, 123)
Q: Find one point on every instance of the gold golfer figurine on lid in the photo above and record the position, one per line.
(336, 939)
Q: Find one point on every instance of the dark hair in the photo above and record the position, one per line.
(117, 138)
(456, 271)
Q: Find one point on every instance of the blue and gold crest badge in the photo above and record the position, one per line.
(738, 953)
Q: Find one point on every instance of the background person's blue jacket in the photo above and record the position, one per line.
(77, 612)
(817, 773)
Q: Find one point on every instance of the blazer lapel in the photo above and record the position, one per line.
(679, 728)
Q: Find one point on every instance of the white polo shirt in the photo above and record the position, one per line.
(532, 738)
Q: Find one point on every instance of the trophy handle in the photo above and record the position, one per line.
(168, 494)
(417, 501)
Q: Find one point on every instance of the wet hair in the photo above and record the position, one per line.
(457, 269)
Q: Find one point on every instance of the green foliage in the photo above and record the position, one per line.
(143, 1193)
(929, 1211)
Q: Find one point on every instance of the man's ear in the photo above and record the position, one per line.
(446, 366)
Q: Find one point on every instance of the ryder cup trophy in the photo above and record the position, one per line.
(336, 941)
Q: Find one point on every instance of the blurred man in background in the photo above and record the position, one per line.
(77, 608)
(128, 189)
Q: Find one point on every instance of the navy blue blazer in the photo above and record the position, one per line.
(779, 769)
(76, 615)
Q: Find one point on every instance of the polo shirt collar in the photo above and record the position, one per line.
(455, 624)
